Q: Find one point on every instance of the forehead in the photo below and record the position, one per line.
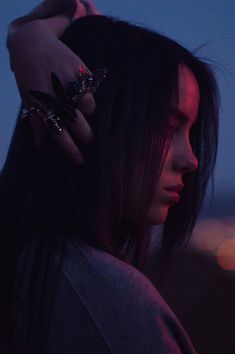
(189, 94)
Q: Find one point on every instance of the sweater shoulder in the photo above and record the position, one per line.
(124, 303)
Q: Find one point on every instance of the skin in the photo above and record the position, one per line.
(180, 158)
(44, 32)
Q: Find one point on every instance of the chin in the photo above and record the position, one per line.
(157, 215)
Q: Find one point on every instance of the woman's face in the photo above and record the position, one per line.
(180, 157)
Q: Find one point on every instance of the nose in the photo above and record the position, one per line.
(185, 162)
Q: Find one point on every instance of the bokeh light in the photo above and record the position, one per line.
(208, 235)
(226, 254)
(217, 237)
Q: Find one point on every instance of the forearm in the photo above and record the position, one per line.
(35, 52)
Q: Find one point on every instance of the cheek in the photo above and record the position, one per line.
(159, 209)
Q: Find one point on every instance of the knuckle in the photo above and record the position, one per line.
(87, 102)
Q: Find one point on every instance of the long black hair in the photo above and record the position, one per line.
(45, 197)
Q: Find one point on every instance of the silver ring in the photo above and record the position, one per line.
(85, 82)
(77, 88)
(24, 113)
(50, 117)
(52, 121)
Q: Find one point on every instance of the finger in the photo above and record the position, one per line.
(81, 10)
(36, 122)
(42, 131)
(80, 128)
(86, 104)
(90, 7)
(39, 130)
(67, 145)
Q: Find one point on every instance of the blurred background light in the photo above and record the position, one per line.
(226, 254)
(217, 237)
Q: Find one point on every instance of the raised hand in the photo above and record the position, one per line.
(36, 52)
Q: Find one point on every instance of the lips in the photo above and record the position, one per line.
(172, 193)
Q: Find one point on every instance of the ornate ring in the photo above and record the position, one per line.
(24, 113)
(52, 121)
(86, 82)
(62, 107)
(77, 88)
(50, 117)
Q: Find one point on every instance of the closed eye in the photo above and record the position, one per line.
(182, 117)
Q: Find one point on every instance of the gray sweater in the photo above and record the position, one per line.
(103, 305)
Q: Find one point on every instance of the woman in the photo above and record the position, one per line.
(72, 236)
